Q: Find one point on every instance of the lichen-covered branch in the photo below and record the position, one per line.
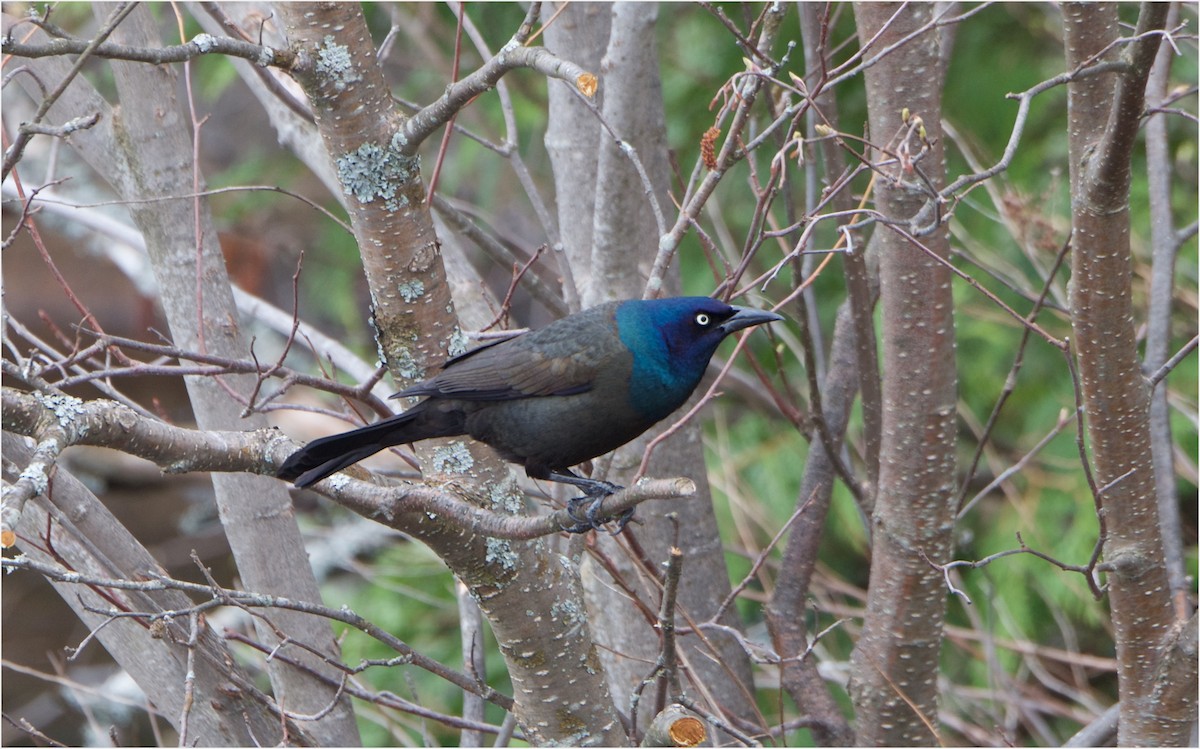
(197, 46)
(58, 421)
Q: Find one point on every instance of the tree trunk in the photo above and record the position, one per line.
(613, 265)
(1104, 113)
(531, 598)
(895, 664)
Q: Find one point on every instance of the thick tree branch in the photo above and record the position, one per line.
(59, 421)
(200, 45)
(1109, 169)
(511, 56)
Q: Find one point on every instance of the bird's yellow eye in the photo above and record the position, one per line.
(702, 319)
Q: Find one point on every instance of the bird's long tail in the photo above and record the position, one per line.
(328, 455)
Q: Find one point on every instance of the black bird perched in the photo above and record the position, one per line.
(556, 397)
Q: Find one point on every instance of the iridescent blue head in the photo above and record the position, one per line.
(671, 341)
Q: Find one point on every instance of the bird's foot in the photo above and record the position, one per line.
(585, 510)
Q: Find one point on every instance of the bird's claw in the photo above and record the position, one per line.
(590, 519)
(622, 520)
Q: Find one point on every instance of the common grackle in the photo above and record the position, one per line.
(556, 397)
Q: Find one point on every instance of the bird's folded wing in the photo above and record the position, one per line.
(505, 373)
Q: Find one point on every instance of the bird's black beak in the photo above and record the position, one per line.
(745, 317)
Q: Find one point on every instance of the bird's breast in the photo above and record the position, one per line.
(557, 431)
(656, 389)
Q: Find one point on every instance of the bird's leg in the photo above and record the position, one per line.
(594, 493)
(592, 488)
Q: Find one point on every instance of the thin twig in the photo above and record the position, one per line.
(86, 50)
(1173, 362)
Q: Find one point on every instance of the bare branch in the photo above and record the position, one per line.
(201, 44)
(510, 57)
(59, 421)
(14, 152)
(217, 596)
